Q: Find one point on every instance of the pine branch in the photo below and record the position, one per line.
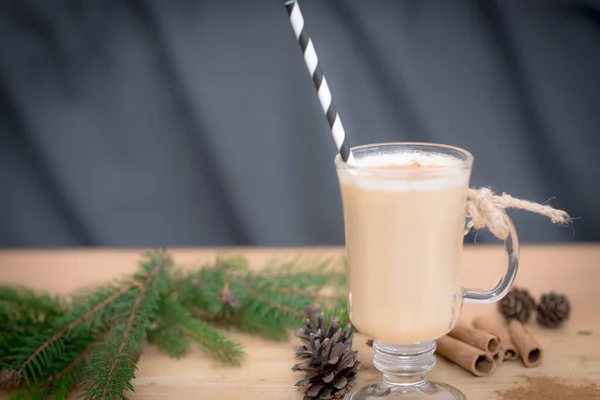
(305, 275)
(94, 340)
(38, 353)
(270, 331)
(11, 335)
(62, 387)
(113, 368)
(243, 323)
(180, 323)
(274, 304)
(65, 373)
(24, 313)
(77, 361)
(170, 340)
(213, 342)
(59, 390)
(38, 392)
(126, 338)
(24, 305)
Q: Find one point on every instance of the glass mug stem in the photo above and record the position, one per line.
(502, 287)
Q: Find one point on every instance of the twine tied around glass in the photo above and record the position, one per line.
(486, 209)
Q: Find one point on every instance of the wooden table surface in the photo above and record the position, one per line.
(265, 373)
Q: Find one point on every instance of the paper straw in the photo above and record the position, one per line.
(312, 63)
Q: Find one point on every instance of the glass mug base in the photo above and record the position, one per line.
(404, 368)
(423, 390)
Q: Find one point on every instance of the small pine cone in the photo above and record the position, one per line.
(517, 304)
(330, 364)
(553, 310)
(312, 310)
(228, 299)
(8, 379)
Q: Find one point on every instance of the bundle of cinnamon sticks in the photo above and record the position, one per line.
(482, 345)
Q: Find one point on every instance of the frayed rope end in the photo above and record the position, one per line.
(486, 209)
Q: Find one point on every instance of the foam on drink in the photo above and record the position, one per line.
(407, 159)
(432, 166)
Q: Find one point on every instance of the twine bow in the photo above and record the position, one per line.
(486, 209)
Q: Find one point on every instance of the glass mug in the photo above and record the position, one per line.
(404, 230)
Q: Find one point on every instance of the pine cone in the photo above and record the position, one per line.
(517, 304)
(330, 363)
(228, 299)
(312, 310)
(8, 379)
(553, 310)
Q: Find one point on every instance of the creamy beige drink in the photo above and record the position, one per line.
(404, 219)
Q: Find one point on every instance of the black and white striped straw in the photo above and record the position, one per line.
(312, 63)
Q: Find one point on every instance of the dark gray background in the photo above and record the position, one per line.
(194, 122)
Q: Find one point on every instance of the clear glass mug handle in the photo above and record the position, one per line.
(502, 287)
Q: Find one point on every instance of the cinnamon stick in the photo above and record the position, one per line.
(507, 350)
(470, 358)
(477, 338)
(530, 351)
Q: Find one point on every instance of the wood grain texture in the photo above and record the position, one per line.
(265, 373)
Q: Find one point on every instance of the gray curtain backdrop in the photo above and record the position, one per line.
(195, 123)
